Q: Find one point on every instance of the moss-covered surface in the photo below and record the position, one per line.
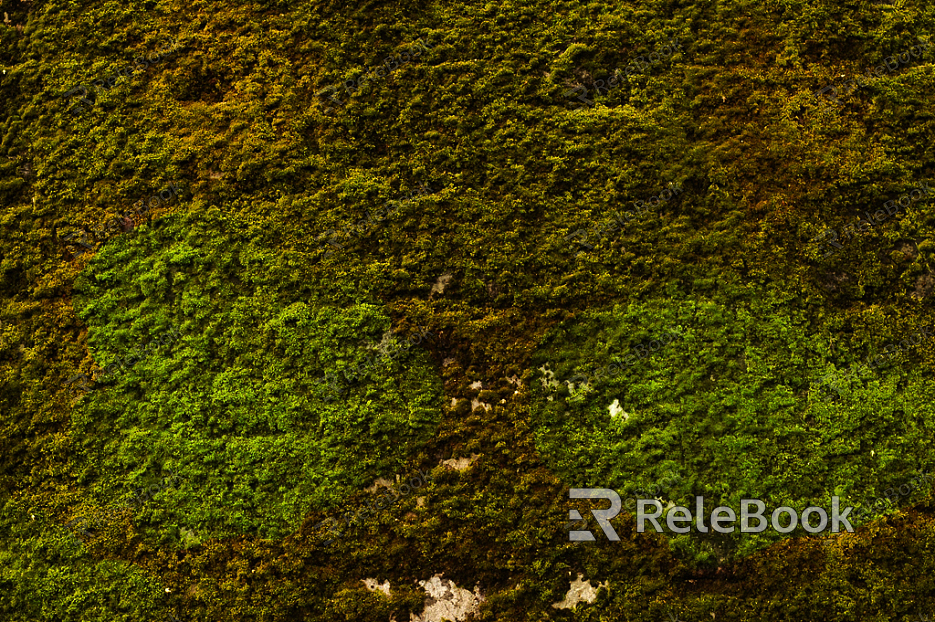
(728, 406)
(237, 405)
(246, 265)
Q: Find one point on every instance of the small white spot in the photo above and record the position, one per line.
(475, 403)
(168, 590)
(446, 601)
(615, 409)
(460, 464)
(441, 284)
(373, 585)
(579, 591)
(549, 381)
(477, 385)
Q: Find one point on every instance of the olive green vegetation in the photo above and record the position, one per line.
(730, 407)
(232, 115)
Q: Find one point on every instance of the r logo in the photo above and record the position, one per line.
(77, 109)
(603, 516)
(825, 89)
(581, 92)
(82, 386)
(331, 98)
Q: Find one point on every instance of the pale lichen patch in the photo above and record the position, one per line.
(616, 409)
(446, 601)
(373, 585)
(461, 463)
(579, 592)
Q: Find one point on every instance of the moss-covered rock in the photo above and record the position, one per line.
(238, 404)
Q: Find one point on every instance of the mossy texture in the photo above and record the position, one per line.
(279, 265)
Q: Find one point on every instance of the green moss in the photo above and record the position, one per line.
(482, 118)
(730, 406)
(238, 404)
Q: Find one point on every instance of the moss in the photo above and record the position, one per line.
(482, 118)
(258, 414)
(732, 404)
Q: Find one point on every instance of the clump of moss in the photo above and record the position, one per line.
(238, 404)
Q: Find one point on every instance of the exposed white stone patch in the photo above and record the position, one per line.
(580, 591)
(475, 403)
(617, 409)
(549, 381)
(454, 401)
(461, 463)
(420, 502)
(446, 601)
(477, 385)
(380, 482)
(373, 585)
(514, 379)
(441, 284)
